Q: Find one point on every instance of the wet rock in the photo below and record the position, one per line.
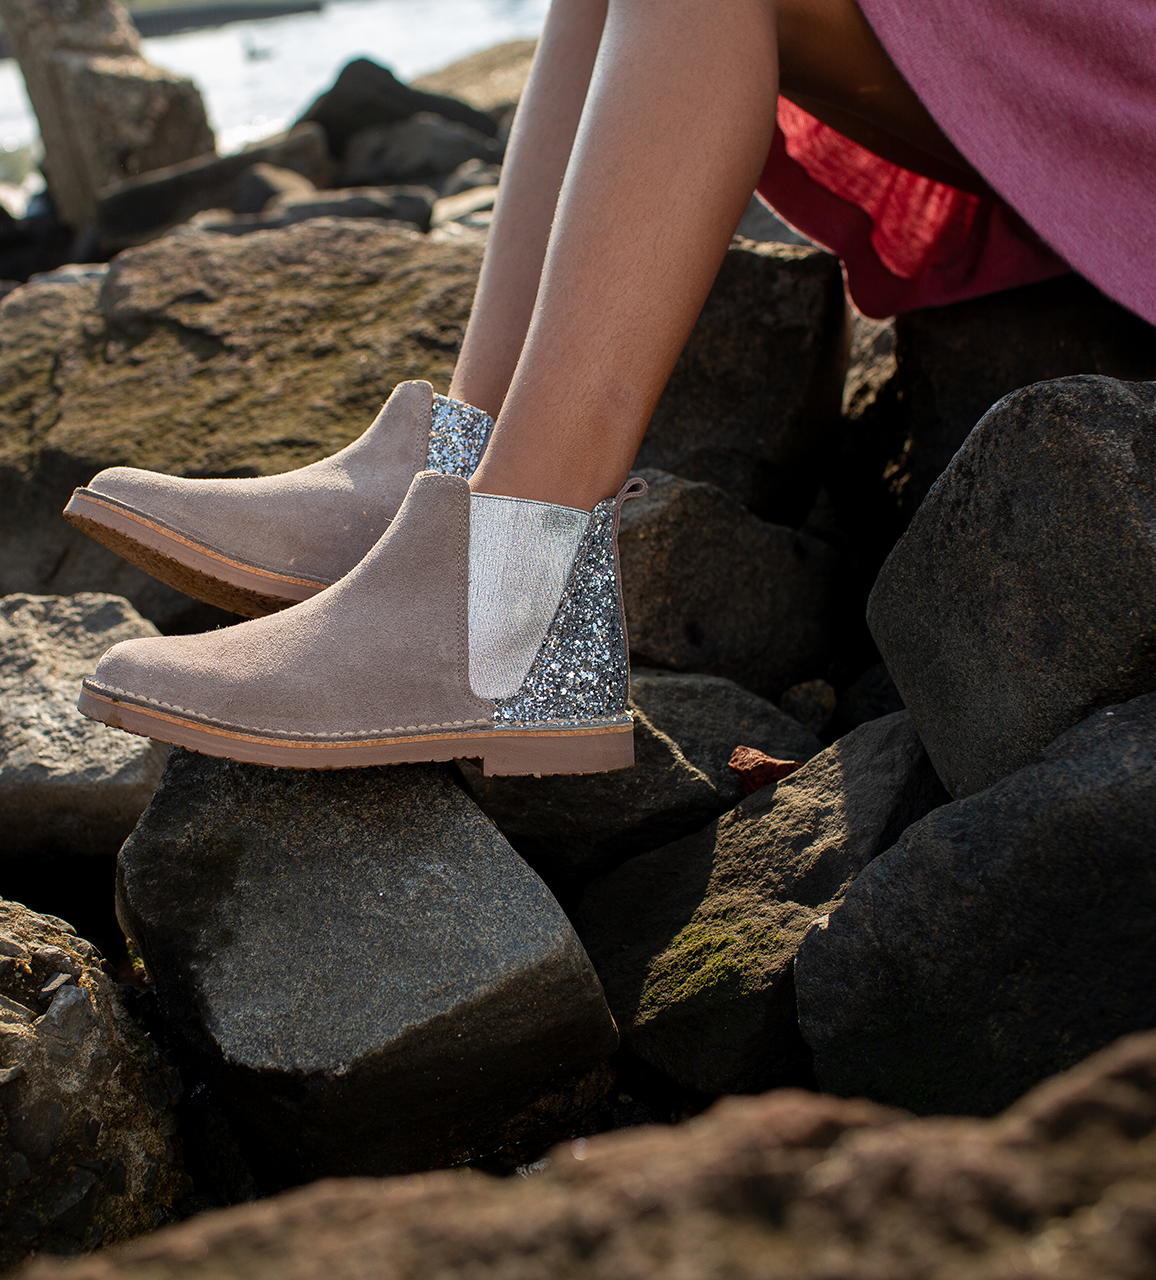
(385, 987)
(137, 210)
(695, 942)
(205, 355)
(686, 727)
(1003, 938)
(789, 1186)
(757, 390)
(812, 703)
(262, 183)
(1024, 593)
(104, 112)
(67, 784)
(490, 81)
(953, 363)
(710, 587)
(366, 94)
(86, 1103)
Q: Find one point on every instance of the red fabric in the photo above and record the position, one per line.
(905, 241)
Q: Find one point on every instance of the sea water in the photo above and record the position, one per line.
(257, 77)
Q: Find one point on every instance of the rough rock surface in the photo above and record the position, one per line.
(1003, 938)
(85, 1100)
(206, 355)
(67, 784)
(758, 387)
(104, 112)
(953, 363)
(694, 943)
(788, 1186)
(1023, 595)
(365, 972)
(685, 728)
(710, 587)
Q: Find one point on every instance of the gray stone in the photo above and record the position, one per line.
(423, 148)
(366, 94)
(136, 210)
(401, 204)
(464, 205)
(812, 703)
(470, 175)
(262, 183)
(104, 112)
(710, 587)
(953, 363)
(1023, 595)
(86, 1101)
(789, 1186)
(871, 695)
(306, 328)
(685, 729)
(762, 223)
(370, 978)
(756, 392)
(1003, 938)
(694, 943)
(67, 784)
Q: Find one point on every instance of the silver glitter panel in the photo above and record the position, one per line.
(581, 671)
(457, 436)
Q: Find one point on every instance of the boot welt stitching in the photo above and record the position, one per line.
(352, 733)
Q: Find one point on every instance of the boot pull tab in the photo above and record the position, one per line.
(635, 487)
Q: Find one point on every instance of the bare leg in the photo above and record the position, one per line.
(535, 163)
(674, 134)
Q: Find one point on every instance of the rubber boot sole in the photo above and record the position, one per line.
(168, 556)
(502, 752)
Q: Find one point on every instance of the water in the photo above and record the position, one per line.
(257, 77)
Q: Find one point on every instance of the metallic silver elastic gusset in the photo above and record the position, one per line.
(580, 672)
(457, 435)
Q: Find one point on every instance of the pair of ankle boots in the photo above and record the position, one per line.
(397, 617)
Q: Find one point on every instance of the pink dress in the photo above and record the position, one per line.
(1052, 101)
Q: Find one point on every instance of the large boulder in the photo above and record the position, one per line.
(207, 355)
(953, 363)
(710, 587)
(1024, 593)
(694, 943)
(67, 784)
(757, 390)
(86, 1102)
(789, 1186)
(1003, 938)
(368, 976)
(424, 148)
(104, 112)
(685, 728)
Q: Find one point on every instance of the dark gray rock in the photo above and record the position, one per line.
(366, 94)
(1024, 593)
(142, 208)
(870, 696)
(710, 587)
(685, 728)
(368, 976)
(1003, 938)
(261, 183)
(760, 222)
(67, 785)
(86, 1102)
(953, 363)
(694, 943)
(412, 204)
(470, 175)
(757, 389)
(426, 147)
(812, 703)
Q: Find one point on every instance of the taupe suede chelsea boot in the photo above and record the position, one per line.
(380, 668)
(254, 546)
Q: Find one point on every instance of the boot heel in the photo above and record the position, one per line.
(566, 752)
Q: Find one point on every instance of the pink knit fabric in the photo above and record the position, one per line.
(1052, 101)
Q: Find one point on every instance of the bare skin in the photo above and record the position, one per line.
(642, 132)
